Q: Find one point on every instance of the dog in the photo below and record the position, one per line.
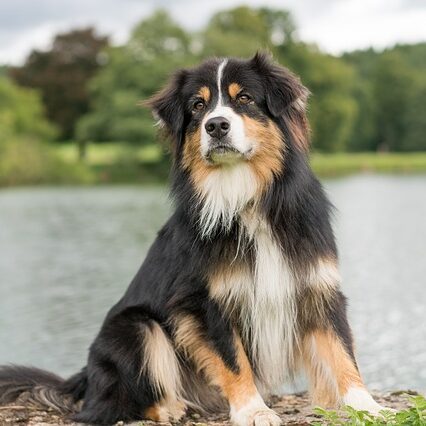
(240, 290)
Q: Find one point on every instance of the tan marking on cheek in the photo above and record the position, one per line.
(332, 371)
(237, 387)
(204, 93)
(193, 162)
(268, 157)
(233, 90)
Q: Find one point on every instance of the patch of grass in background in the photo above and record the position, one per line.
(25, 161)
(109, 153)
(346, 163)
(413, 416)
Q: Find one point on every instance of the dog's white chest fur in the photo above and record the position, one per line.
(271, 315)
(263, 300)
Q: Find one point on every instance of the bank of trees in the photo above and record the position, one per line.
(362, 101)
(25, 133)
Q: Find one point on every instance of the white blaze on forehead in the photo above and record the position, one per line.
(219, 80)
(237, 135)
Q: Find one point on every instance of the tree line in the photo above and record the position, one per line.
(90, 90)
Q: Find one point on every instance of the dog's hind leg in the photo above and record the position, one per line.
(132, 373)
(161, 365)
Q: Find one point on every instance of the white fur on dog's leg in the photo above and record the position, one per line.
(361, 400)
(254, 413)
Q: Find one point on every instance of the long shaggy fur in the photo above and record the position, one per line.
(240, 287)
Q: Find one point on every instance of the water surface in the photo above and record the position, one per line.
(67, 254)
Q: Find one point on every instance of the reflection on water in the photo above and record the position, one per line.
(66, 255)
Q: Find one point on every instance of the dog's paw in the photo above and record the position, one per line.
(255, 413)
(361, 400)
(177, 410)
(168, 410)
(266, 418)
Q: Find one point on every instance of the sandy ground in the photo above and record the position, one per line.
(293, 410)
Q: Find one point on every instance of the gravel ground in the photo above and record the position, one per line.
(293, 409)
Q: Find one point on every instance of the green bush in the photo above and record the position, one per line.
(25, 156)
(21, 113)
(25, 161)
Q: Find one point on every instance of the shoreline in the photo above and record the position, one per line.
(294, 410)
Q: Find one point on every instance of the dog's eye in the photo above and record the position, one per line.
(198, 105)
(244, 98)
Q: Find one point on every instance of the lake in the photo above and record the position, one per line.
(67, 254)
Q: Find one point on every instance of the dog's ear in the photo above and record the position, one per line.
(167, 105)
(285, 96)
(282, 87)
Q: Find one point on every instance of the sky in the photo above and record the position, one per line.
(334, 25)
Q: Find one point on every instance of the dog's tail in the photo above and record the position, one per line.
(40, 388)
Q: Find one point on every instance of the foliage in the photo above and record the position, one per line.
(363, 101)
(413, 416)
(21, 112)
(157, 46)
(61, 74)
(25, 157)
(26, 161)
(390, 91)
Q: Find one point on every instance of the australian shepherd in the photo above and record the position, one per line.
(240, 290)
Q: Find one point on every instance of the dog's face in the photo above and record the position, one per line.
(232, 122)
(226, 110)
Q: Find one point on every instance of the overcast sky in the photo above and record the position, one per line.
(335, 25)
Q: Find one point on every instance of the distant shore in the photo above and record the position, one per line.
(121, 163)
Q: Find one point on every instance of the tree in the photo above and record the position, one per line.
(243, 30)
(414, 119)
(157, 47)
(390, 92)
(21, 113)
(62, 73)
(392, 87)
(24, 154)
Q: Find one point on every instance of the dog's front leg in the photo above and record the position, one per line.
(328, 353)
(235, 382)
(334, 375)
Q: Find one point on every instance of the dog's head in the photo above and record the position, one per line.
(232, 122)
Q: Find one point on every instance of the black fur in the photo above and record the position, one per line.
(174, 276)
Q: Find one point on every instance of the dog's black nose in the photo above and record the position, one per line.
(217, 127)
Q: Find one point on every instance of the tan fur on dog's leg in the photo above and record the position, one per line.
(334, 377)
(247, 407)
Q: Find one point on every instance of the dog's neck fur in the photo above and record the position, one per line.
(264, 290)
(226, 192)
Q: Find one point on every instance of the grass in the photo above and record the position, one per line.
(412, 416)
(110, 153)
(346, 163)
(121, 162)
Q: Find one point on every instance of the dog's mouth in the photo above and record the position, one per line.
(224, 153)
